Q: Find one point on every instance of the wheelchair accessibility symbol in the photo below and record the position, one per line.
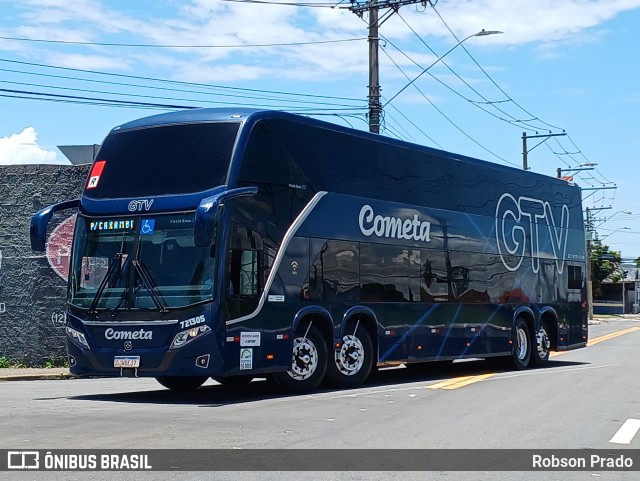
(147, 226)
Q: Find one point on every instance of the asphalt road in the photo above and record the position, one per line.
(580, 401)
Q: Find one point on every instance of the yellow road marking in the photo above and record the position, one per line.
(596, 340)
(459, 382)
(462, 381)
(606, 337)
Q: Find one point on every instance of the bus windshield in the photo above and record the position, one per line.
(141, 263)
(137, 163)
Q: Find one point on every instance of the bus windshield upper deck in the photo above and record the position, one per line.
(167, 160)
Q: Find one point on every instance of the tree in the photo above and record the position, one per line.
(637, 261)
(605, 264)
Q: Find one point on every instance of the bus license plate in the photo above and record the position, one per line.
(126, 361)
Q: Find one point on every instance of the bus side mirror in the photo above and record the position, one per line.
(40, 221)
(207, 212)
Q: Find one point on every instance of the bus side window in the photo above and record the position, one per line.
(334, 273)
(243, 273)
(243, 264)
(575, 279)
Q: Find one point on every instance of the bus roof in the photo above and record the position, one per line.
(248, 117)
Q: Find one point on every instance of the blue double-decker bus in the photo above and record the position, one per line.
(236, 244)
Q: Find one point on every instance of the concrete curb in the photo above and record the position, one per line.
(31, 374)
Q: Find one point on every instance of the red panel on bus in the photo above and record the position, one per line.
(94, 176)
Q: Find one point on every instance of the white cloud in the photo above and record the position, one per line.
(88, 62)
(549, 24)
(522, 22)
(23, 148)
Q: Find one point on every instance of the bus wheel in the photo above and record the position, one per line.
(521, 345)
(540, 354)
(308, 362)
(353, 361)
(182, 383)
(240, 380)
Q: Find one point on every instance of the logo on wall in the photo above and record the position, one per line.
(59, 247)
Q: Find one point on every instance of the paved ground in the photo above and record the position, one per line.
(26, 374)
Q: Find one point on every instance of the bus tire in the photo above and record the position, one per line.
(308, 362)
(239, 380)
(541, 350)
(351, 364)
(182, 383)
(521, 354)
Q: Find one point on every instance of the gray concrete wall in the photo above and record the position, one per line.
(33, 285)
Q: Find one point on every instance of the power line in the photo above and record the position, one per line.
(510, 99)
(514, 120)
(95, 101)
(151, 45)
(32, 95)
(104, 82)
(488, 76)
(451, 89)
(177, 82)
(287, 4)
(416, 127)
(456, 126)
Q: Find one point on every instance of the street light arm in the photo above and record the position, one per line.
(481, 33)
(617, 230)
(628, 212)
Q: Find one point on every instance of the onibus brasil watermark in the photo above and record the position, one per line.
(352, 460)
(54, 461)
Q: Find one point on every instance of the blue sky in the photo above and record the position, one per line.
(560, 64)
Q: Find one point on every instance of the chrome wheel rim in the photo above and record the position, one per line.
(543, 343)
(304, 359)
(350, 358)
(522, 345)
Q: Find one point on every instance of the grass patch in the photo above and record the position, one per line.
(5, 363)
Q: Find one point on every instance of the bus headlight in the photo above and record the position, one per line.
(78, 338)
(185, 337)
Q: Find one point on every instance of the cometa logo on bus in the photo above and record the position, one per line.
(393, 227)
(111, 335)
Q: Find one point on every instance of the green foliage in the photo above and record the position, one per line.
(56, 362)
(637, 261)
(5, 363)
(604, 264)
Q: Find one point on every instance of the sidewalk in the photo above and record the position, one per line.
(598, 318)
(34, 374)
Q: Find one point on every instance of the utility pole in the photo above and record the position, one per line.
(589, 229)
(589, 234)
(525, 150)
(375, 21)
(374, 77)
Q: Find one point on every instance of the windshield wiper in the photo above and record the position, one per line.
(115, 266)
(113, 272)
(148, 284)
